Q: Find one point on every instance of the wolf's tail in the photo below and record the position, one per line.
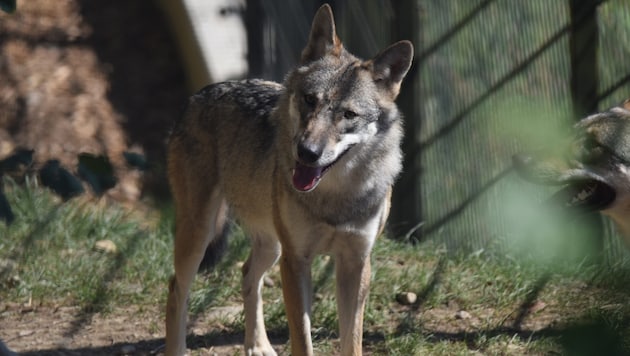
(216, 249)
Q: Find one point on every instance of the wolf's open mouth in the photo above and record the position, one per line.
(306, 178)
(585, 195)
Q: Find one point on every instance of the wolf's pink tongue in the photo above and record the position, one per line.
(305, 178)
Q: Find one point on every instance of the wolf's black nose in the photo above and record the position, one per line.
(309, 153)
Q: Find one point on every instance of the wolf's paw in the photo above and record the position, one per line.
(261, 350)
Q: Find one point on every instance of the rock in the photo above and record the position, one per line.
(406, 298)
(462, 315)
(107, 246)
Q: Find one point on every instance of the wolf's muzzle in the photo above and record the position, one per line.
(309, 154)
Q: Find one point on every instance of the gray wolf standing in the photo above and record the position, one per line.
(594, 167)
(306, 167)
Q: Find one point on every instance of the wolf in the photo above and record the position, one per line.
(306, 167)
(593, 167)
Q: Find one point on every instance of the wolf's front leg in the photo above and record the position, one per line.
(353, 283)
(264, 254)
(297, 292)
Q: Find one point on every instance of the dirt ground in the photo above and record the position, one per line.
(63, 330)
(131, 331)
(125, 331)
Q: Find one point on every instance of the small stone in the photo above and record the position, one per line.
(24, 333)
(107, 246)
(406, 298)
(462, 315)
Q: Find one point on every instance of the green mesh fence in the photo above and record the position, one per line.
(495, 80)
(482, 87)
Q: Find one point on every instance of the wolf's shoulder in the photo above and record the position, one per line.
(250, 95)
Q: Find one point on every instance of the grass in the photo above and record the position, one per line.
(53, 244)
(481, 303)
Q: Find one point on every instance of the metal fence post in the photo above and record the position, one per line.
(583, 47)
(406, 212)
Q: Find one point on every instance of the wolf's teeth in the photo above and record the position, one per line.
(573, 201)
(583, 194)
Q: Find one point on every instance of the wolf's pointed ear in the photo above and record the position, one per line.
(323, 38)
(391, 65)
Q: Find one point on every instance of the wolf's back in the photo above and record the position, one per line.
(252, 99)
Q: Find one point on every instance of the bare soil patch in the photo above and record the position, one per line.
(134, 330)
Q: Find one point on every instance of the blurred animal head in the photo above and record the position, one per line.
(594, 168)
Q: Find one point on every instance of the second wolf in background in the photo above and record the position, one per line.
(594, 167)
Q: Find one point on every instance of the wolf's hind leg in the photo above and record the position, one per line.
(198, 221)
(264, 254)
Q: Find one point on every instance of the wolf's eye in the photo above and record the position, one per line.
(349, 114)
(310, 99)
(589, 150)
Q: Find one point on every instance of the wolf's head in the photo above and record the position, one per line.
(337, 101)
(594, 168)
